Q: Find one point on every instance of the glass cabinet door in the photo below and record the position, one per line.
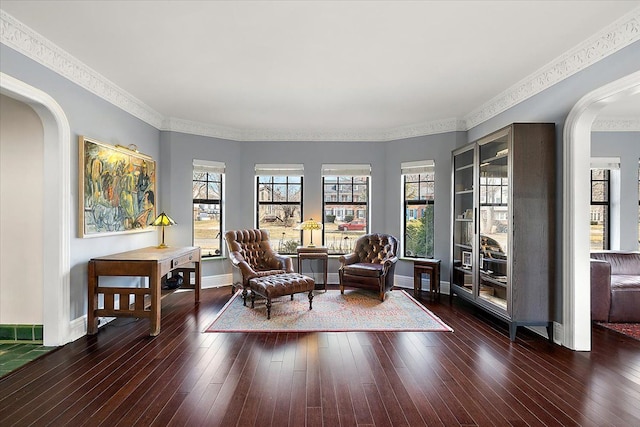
(463, 225)
(493, 221)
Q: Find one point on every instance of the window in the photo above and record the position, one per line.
(599, 215)
(207, 207)
(279, 204)
(345, 196)
(418, 189)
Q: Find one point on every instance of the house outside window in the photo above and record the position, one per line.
(418, 193)
(279, 191)
(208, 196)
(600, 209)
(345, 204)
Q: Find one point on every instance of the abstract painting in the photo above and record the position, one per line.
(116, 189)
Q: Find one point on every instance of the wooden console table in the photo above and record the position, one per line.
(151, 262)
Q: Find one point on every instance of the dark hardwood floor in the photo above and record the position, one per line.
(473, 376)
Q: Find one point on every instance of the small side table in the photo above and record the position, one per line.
(314, 252)
(432, 268)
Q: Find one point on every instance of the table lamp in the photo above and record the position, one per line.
(163, 220)
(311, 225)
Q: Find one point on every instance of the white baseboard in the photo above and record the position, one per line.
(77, 328)
(216, 281)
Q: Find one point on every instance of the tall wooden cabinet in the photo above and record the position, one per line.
(503, 225)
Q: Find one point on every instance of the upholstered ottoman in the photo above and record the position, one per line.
(277, 285)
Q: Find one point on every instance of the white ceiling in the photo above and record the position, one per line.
(314, 67)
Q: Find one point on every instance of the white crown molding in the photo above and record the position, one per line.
(616, 36)
(173, 124)
(23, 39)
(616, 124)
(420, 129)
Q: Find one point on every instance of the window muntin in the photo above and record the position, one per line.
(346, 211)
(207, 210)
(279, 210)
(600, 209)
(418, 196)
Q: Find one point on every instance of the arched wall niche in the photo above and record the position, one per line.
(57, 207)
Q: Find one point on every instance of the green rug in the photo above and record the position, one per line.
(356, 310)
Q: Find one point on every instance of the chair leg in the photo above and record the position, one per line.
(253, 299)
(268, 308)
(244, 296)
(291, 297)
(310, 299)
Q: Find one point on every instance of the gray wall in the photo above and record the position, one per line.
(240, 159)
(553, 106)
(91, 116)
(625, 145)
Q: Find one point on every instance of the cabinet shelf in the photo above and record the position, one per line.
(465, 167)
(499, 160)
(484, 277)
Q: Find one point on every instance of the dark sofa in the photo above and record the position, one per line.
(615, 286)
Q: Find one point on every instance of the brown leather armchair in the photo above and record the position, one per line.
(251, 252)
(371, 265)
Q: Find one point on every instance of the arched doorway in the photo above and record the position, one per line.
(57, 204)
(575, 240)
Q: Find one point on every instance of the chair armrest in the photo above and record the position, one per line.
(238, 261)
(348, 259)
(390, 262)
(600, 290)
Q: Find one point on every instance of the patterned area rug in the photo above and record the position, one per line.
(356, 310)
(629, 329)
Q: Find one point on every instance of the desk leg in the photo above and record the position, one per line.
(92, 320)
(417, 278)
(198, 280)
(155, 286)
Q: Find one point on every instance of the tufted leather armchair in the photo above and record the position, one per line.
(371, 265)
(251, 252)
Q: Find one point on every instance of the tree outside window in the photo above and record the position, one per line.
(207, 209)
(419, 190)
(280, 210)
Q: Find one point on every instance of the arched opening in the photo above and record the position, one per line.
(57, 207)
(577, 154)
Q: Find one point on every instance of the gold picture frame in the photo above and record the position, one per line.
(117, 189)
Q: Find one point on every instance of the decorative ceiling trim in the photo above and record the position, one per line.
(616, 124)
(202, 129)
(616, 36)
(421, 129)
(28, 42)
